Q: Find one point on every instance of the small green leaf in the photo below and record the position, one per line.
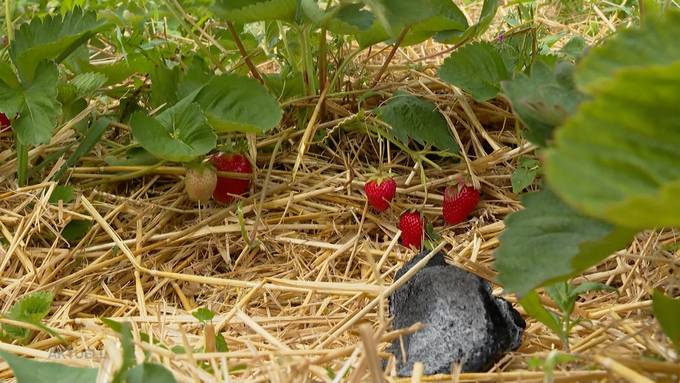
(87, 83)
(617, 158)
(180, 133)
(62, 193)
(655, 43)
(412, 117)
(221, 343)
(574, 48)
(477, 68)
(549, 241)
(532, 305)
(589, 287)
(524, 175)
(543, 100)
(112, 324)
(203, 314)
(75, 230)
(667, 311)
(238, 103)
(37, 105)
(30, 371)
(30, 309)
(149, 373)
(248, 11)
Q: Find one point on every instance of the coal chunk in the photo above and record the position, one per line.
(463, 322)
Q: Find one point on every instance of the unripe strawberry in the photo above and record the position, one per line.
(459, 201)
(411, 226)
(380, 192)
(200, 182)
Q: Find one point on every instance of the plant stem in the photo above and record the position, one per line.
(389, 57)
(323, 66)
(307, 62)
(244, 54)
(8, 21)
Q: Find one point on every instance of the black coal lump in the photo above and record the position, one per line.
(463, 322)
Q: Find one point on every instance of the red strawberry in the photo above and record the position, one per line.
(380, 192)
(459, 201)
(228, 187)
(4, 123)
(199, 183)
(411, 226)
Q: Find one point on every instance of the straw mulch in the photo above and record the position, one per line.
(299, 284)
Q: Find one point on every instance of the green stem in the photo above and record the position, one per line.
(126, 177)
(8, 21)
(307, 61)
(22, 163)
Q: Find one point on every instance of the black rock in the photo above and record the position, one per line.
(463, 322)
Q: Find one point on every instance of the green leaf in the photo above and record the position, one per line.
(617, 158)
(62, 193)
(36, 103)
(112, 324)
(221, 343)
(51, 38)
(543, 100)
(438, 16)
(411, 117)
(164, 83)
(574, 48)
(180, 133)
(395, 15)
(150, 373)
(203, 314)
(353, 17)
(589, 287)
(489, 9)
(476, 68)
(129, 359)
(196, 75)
(75, 230)
(549, 241)
(248, 11)
(667, 311)
(446, 18)
(30, 371)
(524, 175)
(92, 136)
(532, 305)
(29, 309)
(655, 43)
(87, 83)
(238, 103)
